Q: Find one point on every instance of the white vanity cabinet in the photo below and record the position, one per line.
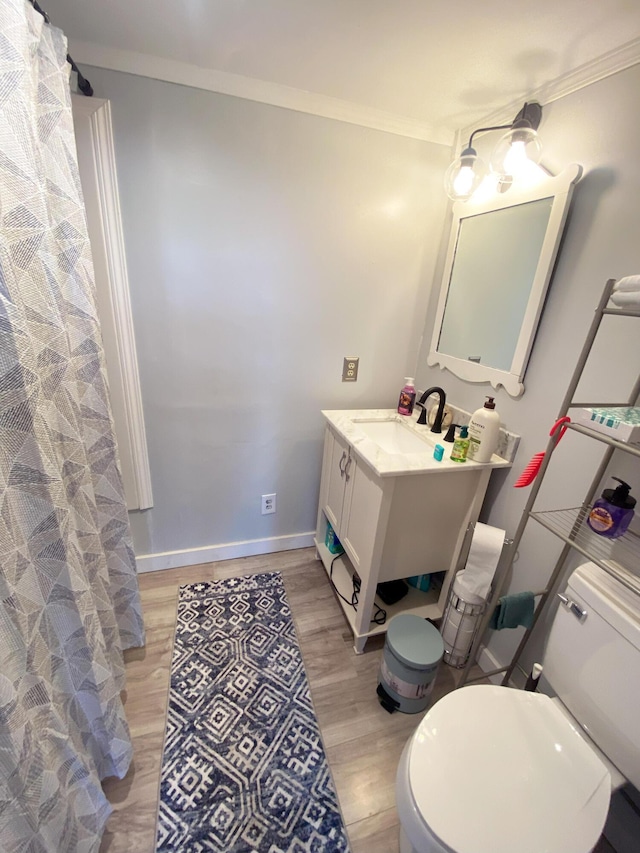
(395, 522)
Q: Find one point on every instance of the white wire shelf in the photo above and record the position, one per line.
(619, 557)
(634, 450)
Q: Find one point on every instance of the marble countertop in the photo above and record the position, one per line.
(345, 423)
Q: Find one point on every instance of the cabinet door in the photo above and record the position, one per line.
(338, 452)
(361, 515)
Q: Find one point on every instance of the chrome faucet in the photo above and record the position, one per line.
(422, 402)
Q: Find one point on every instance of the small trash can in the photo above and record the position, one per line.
(412, 652)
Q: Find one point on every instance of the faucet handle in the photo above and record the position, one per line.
(451, 432)
(422, 417)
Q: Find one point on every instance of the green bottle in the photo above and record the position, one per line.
(460, 446)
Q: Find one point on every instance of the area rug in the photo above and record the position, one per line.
(243, 766)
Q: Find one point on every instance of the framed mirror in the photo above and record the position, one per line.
(499, 262)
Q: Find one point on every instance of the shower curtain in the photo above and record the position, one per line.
(68, 585)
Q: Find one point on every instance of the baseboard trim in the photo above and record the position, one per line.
(487, 661)
(215, 553)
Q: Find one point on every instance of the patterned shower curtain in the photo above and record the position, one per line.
(69, 600)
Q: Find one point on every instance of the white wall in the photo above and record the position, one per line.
(597, 127)
(263, 245)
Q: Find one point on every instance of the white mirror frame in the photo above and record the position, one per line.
(543, 186)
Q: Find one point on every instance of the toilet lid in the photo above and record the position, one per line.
(494, 770)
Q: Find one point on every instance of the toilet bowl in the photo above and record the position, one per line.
(496, 770)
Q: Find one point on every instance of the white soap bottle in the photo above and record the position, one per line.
(484, 432)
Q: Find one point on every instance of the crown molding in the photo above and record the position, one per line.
(287, 97)
(616, 60)
(249, 88)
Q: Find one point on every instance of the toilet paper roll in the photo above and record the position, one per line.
(474, 581)
(460, 624)
(458, 631)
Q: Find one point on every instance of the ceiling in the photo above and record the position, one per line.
(449, 64)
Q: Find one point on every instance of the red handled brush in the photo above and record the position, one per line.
(531, 471)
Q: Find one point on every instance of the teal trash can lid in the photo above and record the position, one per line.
(414, 641)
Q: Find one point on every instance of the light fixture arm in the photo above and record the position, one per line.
(486, 130)
(529, 116)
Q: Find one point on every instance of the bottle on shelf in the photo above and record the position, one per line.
(613, 511)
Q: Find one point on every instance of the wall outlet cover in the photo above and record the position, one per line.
(350, 369)
(268, 504)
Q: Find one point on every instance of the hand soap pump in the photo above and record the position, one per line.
(407, 397)
(460, 446)
(612, 513)
(484, 432)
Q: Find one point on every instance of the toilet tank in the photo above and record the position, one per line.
(593, 665)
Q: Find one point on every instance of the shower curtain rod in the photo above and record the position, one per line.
(83, 84)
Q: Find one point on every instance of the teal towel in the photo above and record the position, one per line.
(513, 610)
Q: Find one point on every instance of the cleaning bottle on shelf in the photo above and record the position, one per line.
(484, 432)
(407, 397)
(460, 446)
(612, 513)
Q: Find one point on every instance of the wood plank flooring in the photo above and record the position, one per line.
(363, 742)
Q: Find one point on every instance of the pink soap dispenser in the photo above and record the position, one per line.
(407, 397)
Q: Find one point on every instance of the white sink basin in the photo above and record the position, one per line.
(392, 445)
(392, 436)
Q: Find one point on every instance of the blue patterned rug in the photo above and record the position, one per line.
(243, 767)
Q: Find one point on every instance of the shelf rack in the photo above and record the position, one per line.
(619, 557)
(340, 573)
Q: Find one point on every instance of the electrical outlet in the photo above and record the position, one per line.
(268, 504)
(350, 369)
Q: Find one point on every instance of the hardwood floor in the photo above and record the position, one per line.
(363, 742)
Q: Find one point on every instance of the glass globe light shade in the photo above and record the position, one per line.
(464, 175)
(514, 149)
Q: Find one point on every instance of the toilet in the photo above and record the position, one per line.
(492, 769)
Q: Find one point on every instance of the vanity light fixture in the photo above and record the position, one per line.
(519, 144)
